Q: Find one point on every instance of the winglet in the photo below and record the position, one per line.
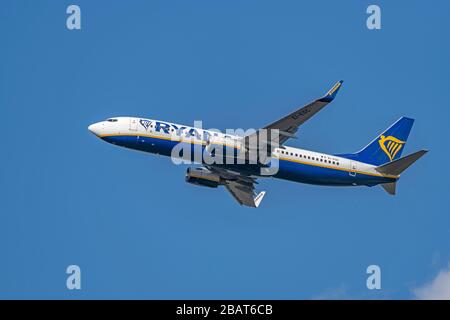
(331, 94)
(259, 198)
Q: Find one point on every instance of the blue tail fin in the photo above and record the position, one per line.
(386, 147)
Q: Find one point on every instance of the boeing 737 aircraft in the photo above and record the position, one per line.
(379, 163)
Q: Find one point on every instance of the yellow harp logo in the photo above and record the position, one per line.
(390, 145)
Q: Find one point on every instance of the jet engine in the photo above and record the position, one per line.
(202, 177)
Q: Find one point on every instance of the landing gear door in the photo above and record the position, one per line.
(133, 124)
(353, 168)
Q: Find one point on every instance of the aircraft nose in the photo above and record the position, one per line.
(94, 128)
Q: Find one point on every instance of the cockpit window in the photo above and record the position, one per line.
(112, 120)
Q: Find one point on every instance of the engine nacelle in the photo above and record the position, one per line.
(202, 177)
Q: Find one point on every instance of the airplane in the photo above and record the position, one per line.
(378, 163)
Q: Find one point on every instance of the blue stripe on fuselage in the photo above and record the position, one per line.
(288, 170)
(308, 173)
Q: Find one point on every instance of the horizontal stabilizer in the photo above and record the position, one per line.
(398, 166)
(389, 187)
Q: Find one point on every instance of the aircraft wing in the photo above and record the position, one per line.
(241, 187)
(288, 125)
(244, 193)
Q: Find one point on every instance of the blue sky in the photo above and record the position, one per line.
(130, 221)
